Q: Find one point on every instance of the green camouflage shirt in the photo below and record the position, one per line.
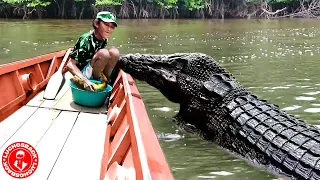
(85, 48)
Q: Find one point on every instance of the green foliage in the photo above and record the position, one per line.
(168, 4)
(194, 4)
(108, 2)
(15, 1)
(147, 6)
(29, 3)
(42, 3)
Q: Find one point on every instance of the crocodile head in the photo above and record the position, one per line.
(190, 79)
(176, 75)
(159, 71)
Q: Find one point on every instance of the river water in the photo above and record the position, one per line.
(278, 60)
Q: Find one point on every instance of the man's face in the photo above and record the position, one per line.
(105, 29)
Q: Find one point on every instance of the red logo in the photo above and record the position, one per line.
(20, 160)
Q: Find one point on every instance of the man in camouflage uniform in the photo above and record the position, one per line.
(89, 56)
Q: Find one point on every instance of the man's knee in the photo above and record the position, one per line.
(114, 53)
(103, 54)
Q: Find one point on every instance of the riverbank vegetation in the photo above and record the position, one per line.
(79, 9)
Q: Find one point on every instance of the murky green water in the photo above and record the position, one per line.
(276, 59)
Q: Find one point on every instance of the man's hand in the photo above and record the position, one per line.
(88, 85)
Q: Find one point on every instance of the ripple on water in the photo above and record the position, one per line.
(280, 87)
(291, 108)
(221, 173)
(312, 110)
(312, 93)
(178, 168)
(305, 98)
(165, 109)
(303, 86)
(169, 137)
(207, 177)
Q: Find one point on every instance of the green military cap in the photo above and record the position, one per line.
(107, 16)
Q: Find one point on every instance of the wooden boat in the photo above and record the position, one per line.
(115, 141)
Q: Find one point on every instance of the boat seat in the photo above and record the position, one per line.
(114, 114)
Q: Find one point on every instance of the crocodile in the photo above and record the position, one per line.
(227, 114)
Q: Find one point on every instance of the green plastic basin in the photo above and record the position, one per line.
(88, 98)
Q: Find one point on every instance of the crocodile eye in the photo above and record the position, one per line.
(209, 85)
